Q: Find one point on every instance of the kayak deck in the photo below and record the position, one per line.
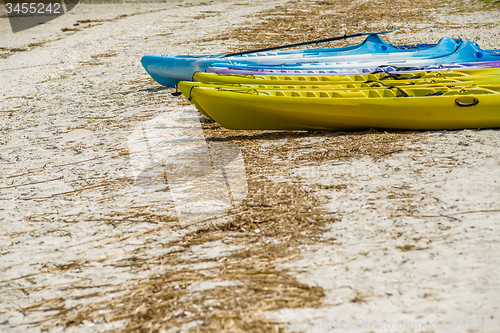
(461, 75)
(422, 108)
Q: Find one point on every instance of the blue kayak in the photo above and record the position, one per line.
(468, 52)
(170, 69)
(352, 71)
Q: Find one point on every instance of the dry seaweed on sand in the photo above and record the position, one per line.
(229, 291)
(300, 21)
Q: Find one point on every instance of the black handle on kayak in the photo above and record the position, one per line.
(475, 102)
(311, 42)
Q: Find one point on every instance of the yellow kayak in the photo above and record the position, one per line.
(187, 86)
(477, 80)
(469, 74)
(413, 108)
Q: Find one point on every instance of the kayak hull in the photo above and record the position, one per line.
(169, 69)
(479, 74)
(467, 52)
(257, 111)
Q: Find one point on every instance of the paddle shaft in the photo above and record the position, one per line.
(331, 39)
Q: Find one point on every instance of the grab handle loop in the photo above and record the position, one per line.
(475, 102)
(191, 92)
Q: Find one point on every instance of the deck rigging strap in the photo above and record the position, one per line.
(401, 91)
(375, 83)
(245, 76)
(437, 93)
(400, 77)
(383, 69)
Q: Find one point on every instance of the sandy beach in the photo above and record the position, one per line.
(291, 232)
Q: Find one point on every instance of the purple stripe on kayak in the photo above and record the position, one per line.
(267, 71)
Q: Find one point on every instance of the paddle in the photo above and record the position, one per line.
(311, 42)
